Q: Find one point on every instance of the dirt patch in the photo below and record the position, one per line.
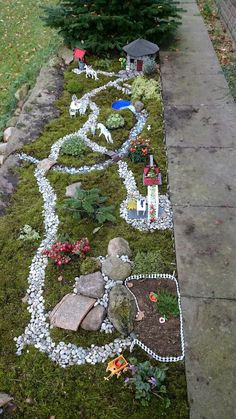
(175, 116)
(164, 339)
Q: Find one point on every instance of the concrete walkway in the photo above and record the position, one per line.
(201, 146)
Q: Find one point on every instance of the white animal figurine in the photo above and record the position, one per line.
(74, 106)
(104, 131)
(90, 72)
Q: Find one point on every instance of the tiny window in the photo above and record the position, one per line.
(131, 60)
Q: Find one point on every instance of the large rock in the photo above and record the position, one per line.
(46, 164)
(3, 148)
(122, 309)
(115, 268)
(4, 399)
(71, 189)
(94, 319)
(66, 54)
(91, 285)
(70, 311)
(119, 246)
(10, 133)
(22, 92)
(139, 106)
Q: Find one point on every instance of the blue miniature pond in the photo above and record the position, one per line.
(120, 104)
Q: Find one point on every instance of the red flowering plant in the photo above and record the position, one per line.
(139, 150)
(62, 253)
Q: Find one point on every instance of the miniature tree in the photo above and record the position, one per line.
(104, 27)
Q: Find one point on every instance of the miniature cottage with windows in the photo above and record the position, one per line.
(137, 53)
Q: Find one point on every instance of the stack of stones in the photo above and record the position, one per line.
(84, 309)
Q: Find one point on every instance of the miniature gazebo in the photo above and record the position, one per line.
(137, 52)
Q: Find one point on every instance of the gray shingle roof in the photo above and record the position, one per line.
(140, 47)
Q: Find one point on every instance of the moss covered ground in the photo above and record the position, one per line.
(78, 391)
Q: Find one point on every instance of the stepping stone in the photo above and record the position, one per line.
(46, 164)
(70, 311)
(94, 319)
(91, 285)
(114, 156)
(119, 246)
(115, 268)
(71, 189)
(4, 399)
(122, 309)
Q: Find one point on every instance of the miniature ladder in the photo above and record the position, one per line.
(153, 202)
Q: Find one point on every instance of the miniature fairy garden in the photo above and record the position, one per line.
(98, 208)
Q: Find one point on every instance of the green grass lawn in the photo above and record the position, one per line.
(77, 391)
(25, 45)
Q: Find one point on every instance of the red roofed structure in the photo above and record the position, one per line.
(79, 54)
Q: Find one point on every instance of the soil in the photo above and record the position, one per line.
(163, 339)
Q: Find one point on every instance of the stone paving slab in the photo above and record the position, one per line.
(200, 176)
(205, 126)
(193, 62)
(210, 367)
(205, 242)
(210, 89)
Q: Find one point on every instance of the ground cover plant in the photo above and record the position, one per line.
(22, 49)
(80, 391)
(222, 42)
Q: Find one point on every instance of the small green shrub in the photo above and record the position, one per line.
(115, 121)
(149, 262)
(89, 266)
(27, 233)
(145, 378)
(74, 147)
(74, 87)
(167, 304)
(89, 204)
(145, 89)
(150, 66)
(103, 64)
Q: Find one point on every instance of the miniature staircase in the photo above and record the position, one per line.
(153, 202)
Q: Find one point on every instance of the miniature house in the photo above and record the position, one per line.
(137, 52)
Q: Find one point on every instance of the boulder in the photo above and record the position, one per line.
(22, 92)
(71, 189)
(4, 399)
(10, 133)
(119, 246)
(70, 311)
(46, 164)
(115, 268)
(94, 319)
(139, 106)
(66, 54)
(3, 148)
(122, 309)
(2, 158)
(91, 285)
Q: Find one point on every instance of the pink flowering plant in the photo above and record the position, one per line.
(146, 380)
(63, 252)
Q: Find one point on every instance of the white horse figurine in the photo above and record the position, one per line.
(74, 106)
(104, 131)
(90, 72)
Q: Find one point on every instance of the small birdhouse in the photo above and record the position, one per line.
(138, 52)
(79, 54)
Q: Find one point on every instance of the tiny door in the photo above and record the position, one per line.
(139, 65)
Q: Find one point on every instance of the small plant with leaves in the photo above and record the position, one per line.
(145, 89)
(103, 64)
(27, 233)
(146, 381)
(150, 66)
(63, 252)
(115, 121)
(139, 150)
(90, 204)
(167, 304)
(74, 147)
